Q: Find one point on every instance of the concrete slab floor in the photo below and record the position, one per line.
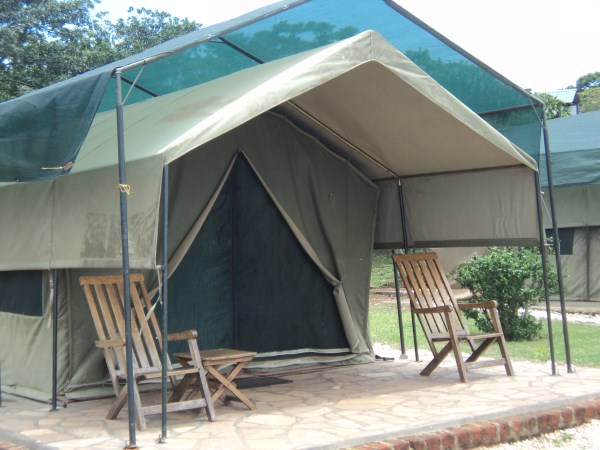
(336, 407)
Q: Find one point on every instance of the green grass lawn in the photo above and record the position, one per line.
(584, 338)
(382, 273)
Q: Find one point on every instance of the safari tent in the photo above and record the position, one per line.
(284, 176)
(575, 144)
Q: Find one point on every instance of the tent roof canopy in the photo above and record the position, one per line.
(575, 143)
(43, 131)
(354, 92)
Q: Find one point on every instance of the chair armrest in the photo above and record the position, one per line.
(492, 304)
(183, 335)
(435, 309)
(107, 343)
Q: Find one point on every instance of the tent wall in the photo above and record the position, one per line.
(328, 206)
(576, 207)
(477, 208)
(74, 221)
(26, 351)
(581, 265)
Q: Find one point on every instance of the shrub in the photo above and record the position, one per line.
(513, 277)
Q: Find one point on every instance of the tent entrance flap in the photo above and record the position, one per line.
(246, 282)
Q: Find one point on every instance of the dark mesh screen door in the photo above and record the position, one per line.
(247, 283)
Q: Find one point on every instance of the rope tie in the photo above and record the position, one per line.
(125, 188)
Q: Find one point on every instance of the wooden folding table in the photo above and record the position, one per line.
(219, 382)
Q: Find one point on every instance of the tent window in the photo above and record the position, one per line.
(566, 237)
(21, 292)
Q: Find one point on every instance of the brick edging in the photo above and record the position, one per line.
(493, 432)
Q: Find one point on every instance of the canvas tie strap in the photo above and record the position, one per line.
(158, 300)
(126, 188)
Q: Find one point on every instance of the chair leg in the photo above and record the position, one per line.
(139, 410)
(504, 352)
(460, 364)
(437, 359)
(118, 404)
(210, 409)
(478, 351)
(502, 342)
(181, 387)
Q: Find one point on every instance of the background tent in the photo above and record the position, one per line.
(575, 144)
(258, 199)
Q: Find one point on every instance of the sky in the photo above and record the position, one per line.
(543, 45)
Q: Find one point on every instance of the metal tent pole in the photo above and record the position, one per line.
(544, 255)
(399, 306)
(123, 192)
(556, 242)
(54, 338)
(405, 241)
(164, 293)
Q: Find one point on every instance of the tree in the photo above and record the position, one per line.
(145, 29)
(589, 81)
(589, 100)
(46, 41)
(553, 107)
(42, 42)
(588, 91)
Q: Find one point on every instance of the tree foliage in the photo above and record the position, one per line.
(46, 41)
(513, 277)
(589, 100)
(553, 106)
(145, 29)
(589, 81)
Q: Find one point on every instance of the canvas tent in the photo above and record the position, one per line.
(286, 172)
(575, 144)
(42, 133)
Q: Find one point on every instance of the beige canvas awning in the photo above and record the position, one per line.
(464, 182)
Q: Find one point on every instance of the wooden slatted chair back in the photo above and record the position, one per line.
(427, 287)
(105, 299)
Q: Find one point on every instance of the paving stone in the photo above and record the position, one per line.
(333, 406)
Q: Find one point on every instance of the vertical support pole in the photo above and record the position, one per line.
(54, 285)
(588, 262)
(164, 296)
(235, 188)
(399, 306)
(561, 290)
(123, 192)
(405, 241)
(544, 255)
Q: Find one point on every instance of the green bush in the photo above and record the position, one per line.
(513, 277)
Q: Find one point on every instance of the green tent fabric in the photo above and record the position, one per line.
(575, 143)
(42, 132)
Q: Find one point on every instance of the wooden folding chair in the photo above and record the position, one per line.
(104, 295)
(441, 318)
(222, 381)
